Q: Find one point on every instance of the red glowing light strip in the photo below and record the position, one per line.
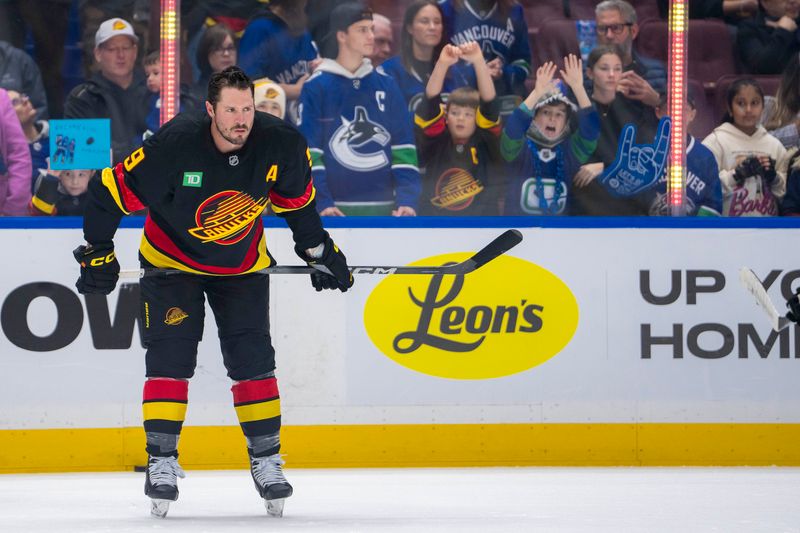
(678, 21)
(170, 59)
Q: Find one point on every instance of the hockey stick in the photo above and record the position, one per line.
(751, 282)
(500, 245)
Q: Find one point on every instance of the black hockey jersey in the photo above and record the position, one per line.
(204, 206)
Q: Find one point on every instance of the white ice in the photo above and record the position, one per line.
(483, 500)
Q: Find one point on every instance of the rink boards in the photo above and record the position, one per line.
(585, 346)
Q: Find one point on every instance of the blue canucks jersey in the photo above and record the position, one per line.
(362, 149)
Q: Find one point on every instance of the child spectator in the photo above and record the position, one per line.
(61, 192)
(746, 155)
(15, 162)
(37, 132)
(703, 192)
(421, 43)
(152, 76)
(270, 97)
(458, 146)
(547, 160)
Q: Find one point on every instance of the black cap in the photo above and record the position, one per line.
(345, 15)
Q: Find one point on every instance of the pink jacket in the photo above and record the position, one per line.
(15, 162)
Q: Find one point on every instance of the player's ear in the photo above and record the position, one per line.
(209, 109)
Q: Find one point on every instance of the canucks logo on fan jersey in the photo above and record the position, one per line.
(351, 143)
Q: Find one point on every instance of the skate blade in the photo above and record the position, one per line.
(159, 508)
(275, 507)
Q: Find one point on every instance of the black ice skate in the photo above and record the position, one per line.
(271, 484)
(161, 483)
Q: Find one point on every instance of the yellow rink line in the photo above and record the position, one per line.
(218, 447)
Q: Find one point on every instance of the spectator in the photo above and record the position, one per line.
(500, 28)
(459, 146)
(18, 72)
(282, 25)
(703, 191)
(767, 42)
(782, 113)
(15, 162)
(790, 204)
(421, 42)
(37, 133)
(270, 98)
(604, 67)
(61, 192)
(118, 91)
(747, 155)
(363, 153)
(553, 152)
(215, 52)
(152, 76)
(384, 39)
(94, 12)
(644, 79)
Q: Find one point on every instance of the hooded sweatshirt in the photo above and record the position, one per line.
(361, 142)
(15, 162)
(753, 198)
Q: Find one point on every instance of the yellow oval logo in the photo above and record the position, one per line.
(507, 317)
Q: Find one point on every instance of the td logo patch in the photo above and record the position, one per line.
(192, 179)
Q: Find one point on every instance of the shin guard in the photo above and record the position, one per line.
(258, 407)
(164, 403)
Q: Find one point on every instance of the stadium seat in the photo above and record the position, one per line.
(580, 9)
(710, 48)
(537, 11)
(646, 10)
(556, 38)
(393, 9)
(768, 83)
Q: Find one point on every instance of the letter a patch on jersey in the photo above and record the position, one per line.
(192, 179)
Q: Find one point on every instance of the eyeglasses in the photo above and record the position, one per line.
(616, 29)
(21, 99)
(224, 50)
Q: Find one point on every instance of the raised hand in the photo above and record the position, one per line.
(471, 52)
(450, 55)
(544, 77)
(637, 166)
(573, 71)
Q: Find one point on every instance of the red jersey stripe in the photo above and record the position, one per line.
(253, 391)
(166, 389)
(131, 201)
(292, 203)
(160, 240)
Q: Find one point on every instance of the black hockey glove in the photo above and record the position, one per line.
(331, 265)
(793, 304)
(99, 268)
(746, 169)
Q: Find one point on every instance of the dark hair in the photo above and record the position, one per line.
(233, 77)
(601, 50)
(787, 100)
(407, 41)
(734, 89)
(212, 39)
(152, 58)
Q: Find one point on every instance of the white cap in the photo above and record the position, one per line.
(266, 90)
(111, 28)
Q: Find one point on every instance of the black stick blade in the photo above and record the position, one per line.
(500, 245)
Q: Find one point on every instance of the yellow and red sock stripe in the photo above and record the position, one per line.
(258, 406)
(164, 403)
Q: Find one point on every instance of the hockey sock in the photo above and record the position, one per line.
(258, 407)
(164, 403)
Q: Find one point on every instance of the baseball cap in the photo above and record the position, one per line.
(345, 15)
(111, 28)
(268, 91)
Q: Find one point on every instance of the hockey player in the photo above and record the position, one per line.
(206, 179)
(361, 142)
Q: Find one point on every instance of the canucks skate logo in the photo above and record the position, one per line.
(352, 137)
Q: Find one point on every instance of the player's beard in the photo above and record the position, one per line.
(239, 140)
